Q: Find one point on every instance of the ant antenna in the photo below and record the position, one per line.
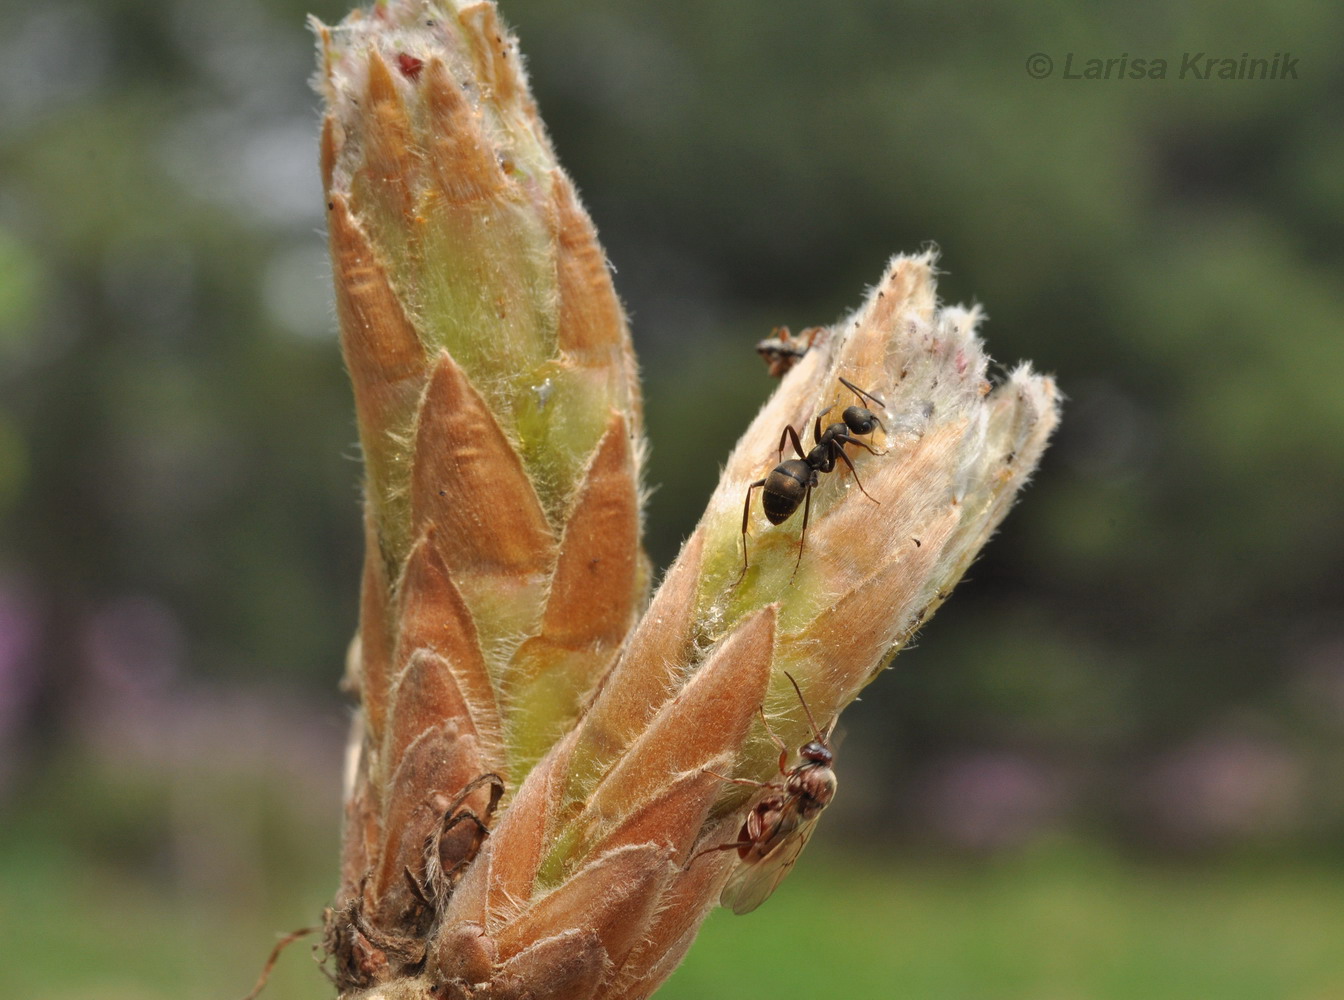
(811, 721)
(860, 393)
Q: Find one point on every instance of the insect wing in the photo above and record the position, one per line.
(751, 884)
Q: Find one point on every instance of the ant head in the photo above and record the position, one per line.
(815, 752)
(861, 420)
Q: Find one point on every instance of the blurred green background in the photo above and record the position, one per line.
(1112, 768)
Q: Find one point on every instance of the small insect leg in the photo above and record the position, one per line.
(746, 516)
(839, 450)
(783, 749)
(848, 439)
(802, 540)
(496, 784)
(790, 434)
(740, 781)
(720, 847)
(418, 889)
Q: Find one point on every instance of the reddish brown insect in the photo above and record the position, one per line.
(780, 825)
(781, 350)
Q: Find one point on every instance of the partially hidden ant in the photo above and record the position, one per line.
(779, 826)
(362, 948)
(781, 350)
(791, 482)
(445, 858)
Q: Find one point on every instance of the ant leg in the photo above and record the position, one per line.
(418, 888)
(847, 439)
(496, 784)
(721, 847)
(790, 433)
(807, 510)
(850, 462)
(451, 816)
(740, 781)
(463, 817)
(816, 428)
(746, 516)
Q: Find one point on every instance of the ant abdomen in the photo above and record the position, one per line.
(785, 488)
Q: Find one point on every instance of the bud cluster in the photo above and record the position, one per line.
(539, 775)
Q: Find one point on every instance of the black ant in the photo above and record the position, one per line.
(791, 482)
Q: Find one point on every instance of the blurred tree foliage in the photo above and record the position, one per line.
(175, 425)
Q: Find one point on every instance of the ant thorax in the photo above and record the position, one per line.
(813, 783)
